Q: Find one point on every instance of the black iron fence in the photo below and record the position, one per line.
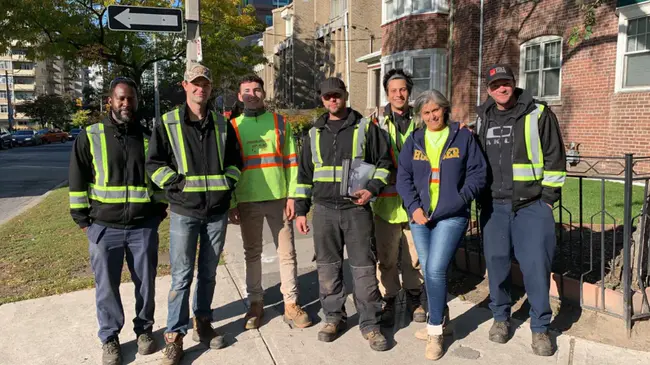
(603, 236)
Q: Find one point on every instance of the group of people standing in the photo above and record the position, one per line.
(416, 206)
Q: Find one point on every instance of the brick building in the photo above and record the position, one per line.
(599, 87)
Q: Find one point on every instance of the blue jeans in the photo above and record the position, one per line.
(107, 247)
(184, 233)
(436, 244)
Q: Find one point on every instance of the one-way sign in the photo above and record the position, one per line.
(145, 19)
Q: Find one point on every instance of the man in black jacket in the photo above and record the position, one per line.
(194, 156)
(521, 139)
(340, 221)
(112, 201)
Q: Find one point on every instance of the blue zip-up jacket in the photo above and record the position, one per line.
(463, 174)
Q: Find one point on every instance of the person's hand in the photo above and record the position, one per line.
(301, 224)
(363, 196)
(549, 205)
(419, 217)
(233, 216)
(84, 229)
(289, 209)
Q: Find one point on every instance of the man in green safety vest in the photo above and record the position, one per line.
(194, 156)
(343, 218)
(391, 219)
(268, 179)
(527, 162)
(114, 203)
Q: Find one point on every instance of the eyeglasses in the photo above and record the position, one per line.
(123, 80)
(331, 96)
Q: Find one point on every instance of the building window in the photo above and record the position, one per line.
(5, 65)
(395, 9)
(4, 109)
(3, 80)
(3, 94)
(24, 66)
(633, 48)
(428, 67)
(24, 95)
(269, 20)
(24, 80)
(540, 67)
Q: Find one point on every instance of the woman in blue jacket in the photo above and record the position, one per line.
(441, 169)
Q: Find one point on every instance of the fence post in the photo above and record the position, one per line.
(627, 235)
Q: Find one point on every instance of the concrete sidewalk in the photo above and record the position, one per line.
(62, 329)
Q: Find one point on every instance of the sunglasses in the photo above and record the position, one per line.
(332, 96)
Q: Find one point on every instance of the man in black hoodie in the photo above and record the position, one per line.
(521, 139)
(343, 134)
(113, 202)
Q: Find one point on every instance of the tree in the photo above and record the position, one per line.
(77, 30)
(81, 118)
(52, 110)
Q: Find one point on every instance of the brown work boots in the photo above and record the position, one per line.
(173, 351)
(204, 333)
(254, 316)
(295, 316)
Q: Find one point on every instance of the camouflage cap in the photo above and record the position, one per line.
(197, 70)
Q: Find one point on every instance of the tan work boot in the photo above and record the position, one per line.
(254, 316)
(376, 340)
(204, 333)
(173, 351)
(435, 347)
(294, 316)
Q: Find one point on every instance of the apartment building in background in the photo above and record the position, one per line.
(23, 80)
(311, 40)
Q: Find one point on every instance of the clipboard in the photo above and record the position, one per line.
(355, 176)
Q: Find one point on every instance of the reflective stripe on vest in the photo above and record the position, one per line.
(100, 191)
(535, 170)
(333, 173)
(195, 183)
(435, 176)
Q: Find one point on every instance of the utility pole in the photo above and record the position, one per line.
(156, 94)
(192, 20)
(10, 108)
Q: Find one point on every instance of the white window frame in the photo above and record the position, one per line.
(541, 41)
(437, 6)
(627, 13)
(437, 67)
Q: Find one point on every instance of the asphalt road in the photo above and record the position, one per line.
(28, 172)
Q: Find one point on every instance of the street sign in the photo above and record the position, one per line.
(199, 50)
(145, 19)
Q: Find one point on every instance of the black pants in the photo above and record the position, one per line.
(353, 228)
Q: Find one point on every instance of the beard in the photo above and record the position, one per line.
(123, 116)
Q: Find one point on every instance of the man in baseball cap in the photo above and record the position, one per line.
(517, 209)
(197, 70)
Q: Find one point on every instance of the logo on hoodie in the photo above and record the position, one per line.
(452, 152)
(419, 156)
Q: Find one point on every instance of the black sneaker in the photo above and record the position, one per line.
(500, 331)
(542, 345)
(112, 353)
(146, 344)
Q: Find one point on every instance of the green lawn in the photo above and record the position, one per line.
(42, 252)
(591, 203)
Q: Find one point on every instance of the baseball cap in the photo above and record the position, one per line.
(332, 85)
(197, 70)
(499, 72)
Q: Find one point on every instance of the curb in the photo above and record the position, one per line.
(35, 201)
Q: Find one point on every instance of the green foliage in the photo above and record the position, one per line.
(585, 31)
(77, 30)
(302, 120)
(49, 110)
(81, 118)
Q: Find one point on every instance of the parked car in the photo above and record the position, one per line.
(5, 139)
(72, 135)
(52, 135)
(26, 138)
